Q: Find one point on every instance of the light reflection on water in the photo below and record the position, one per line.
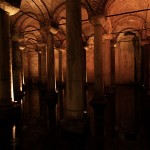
(14, 140)
(14, 132)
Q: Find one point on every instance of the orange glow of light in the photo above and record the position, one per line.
(115, 45)
(9, 9)
(14, 132)
(11, 79)
(21, 48)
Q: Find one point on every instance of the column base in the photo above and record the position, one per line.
(75, 127)
(19, 96)
(10, 113)
(148, 93)
(61, 85)
(103, 121)
(98, 101)
(52, 100)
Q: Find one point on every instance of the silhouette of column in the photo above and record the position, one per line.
(43, 66)
(28, 77)
(52, 97)
(107, 59)
(50, 63)
(145, 65)
(60, 85)
(17, 79)
(74, 81)
(39, 67)
(98, 55)
(112, 64)
(6, 80)
(101, 104)
(74, 121)
(148, 71)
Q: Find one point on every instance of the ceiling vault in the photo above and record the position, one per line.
(120, 16)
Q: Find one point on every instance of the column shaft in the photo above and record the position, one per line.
(17, 79)
(51, 96)
(39, 67)
(145, 71)
(29, 78)
(107, 63)
(112, 65)
(43, 66)
(60, 88)
(74, 82)
(6, 90)
(149, 71)
(50, 63)
(60, 76)
(98, 59)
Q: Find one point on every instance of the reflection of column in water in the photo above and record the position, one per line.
(43, 107)
(14, 137)
(60, 105)
(14, 132)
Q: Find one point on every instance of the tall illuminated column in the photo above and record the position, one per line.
(39, 66)
(17, 79)
(23, 67)
(74, 78)
(6, 83)
(43, 66)
(51, 91)
(107, 59)
(60, 81)
(28, 75)
(101, 104)
(60, 76)
(98, 55)
(149, 71)
(145, 45)
(50, 63)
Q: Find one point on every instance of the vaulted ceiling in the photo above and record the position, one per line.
(37, 16)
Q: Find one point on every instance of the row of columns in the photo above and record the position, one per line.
(8, 108)
(74, 77)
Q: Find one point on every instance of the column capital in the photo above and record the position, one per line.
(107, 36)
(17, 37)
(41, 45)
(144, 42)
(98, 20)
(11, 10)
(22, 47)
(53, 30)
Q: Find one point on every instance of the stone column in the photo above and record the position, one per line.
(6, 80)
(28, 77)
(6, 93)
(102, 105)
(60, 85)
(146, 65)
(23, 70)
(42, 84)
(39, 67)
(74, 106)
(60, 76)
(50, 63)
(107, 60)
(43, 66)
(98, 55)
(74, 81)
(149, 72)
(17, 79)
(113, 64)
(52, 97)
